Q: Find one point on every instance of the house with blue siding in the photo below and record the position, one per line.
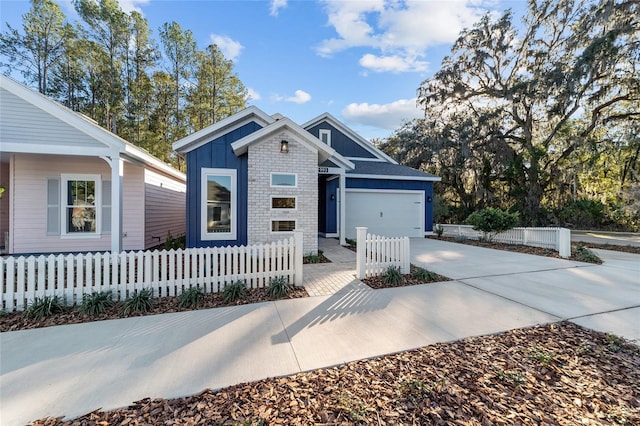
(254, 177)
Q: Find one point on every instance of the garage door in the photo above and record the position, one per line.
(386, 213)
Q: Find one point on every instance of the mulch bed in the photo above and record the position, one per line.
(18, 321)
(554, 374)
(321, 258)
(614, 247)
(407, 279)
(538, 251)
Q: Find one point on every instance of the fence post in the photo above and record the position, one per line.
(298, 239)
(564, 242)
(361, 249)
(406, 258)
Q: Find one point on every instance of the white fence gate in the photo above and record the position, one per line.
(558, 239)
(166, 273)
(375, 254)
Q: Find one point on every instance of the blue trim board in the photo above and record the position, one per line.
(427, 187)
(218, 154)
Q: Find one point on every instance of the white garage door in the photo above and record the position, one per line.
(386, 213)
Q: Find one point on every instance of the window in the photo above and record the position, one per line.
(325, 136)
(219, 214)
(283, 202)
(284, 179)
(283, 225)
(80, 204)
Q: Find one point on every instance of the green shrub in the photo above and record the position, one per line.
(140, 301)
(234, 291)
(492, 221)
(191, 297)
(439, 230)
(96, 303)
(314, 258)
(351, 242)
(45, 306)
(584, 254)
(392, 275)
(279, 287)
(423, 275)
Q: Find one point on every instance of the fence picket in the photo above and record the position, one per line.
(19, 282)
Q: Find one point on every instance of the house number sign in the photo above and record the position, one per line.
(323, 170)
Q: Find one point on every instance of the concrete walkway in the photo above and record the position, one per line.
(323, 279)
(71, 370)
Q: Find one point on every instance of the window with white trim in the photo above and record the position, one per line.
(283, 203)
(81, 195)
(325, 136)
(218, 197)
(289, 180)
(283, 225)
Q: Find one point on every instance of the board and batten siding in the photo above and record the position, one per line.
(164, 208)
(29, 233)
(217, 154)
(341, 142)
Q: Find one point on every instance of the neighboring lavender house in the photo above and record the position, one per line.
(254, 178)
(71, 185)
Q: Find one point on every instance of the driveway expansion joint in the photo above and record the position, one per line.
(286, 333)
(509, 299)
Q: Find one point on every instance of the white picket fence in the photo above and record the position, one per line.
(558, 239)
(166, 273)
(374, 254)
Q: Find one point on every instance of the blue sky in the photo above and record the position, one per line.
(362, 61)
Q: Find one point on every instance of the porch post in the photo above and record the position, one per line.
(343, 211)
(117, 171)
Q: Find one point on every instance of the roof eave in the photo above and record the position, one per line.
(356, 137)
(194, 140)
(241, 146)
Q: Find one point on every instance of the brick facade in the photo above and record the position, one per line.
(265, 158)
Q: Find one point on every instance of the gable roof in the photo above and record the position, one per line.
(202, 137)
(90, 138)
(350, 133)
(325, 152)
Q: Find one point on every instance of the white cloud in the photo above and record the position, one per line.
(131, 5)
(401, 30)
(385, 116)
(276, 5)
(300, 97)
(252, 95)
(393, 63)
(126, 5)
(230, 48)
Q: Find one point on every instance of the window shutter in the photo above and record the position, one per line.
(53, 206)
(106, 206)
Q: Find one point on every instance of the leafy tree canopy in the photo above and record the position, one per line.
(517, 111)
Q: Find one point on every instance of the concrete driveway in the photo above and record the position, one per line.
(604, 237)
(602, 297)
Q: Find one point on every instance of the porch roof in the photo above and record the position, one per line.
(384, 170)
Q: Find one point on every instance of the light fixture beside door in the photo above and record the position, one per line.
(284, 146)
